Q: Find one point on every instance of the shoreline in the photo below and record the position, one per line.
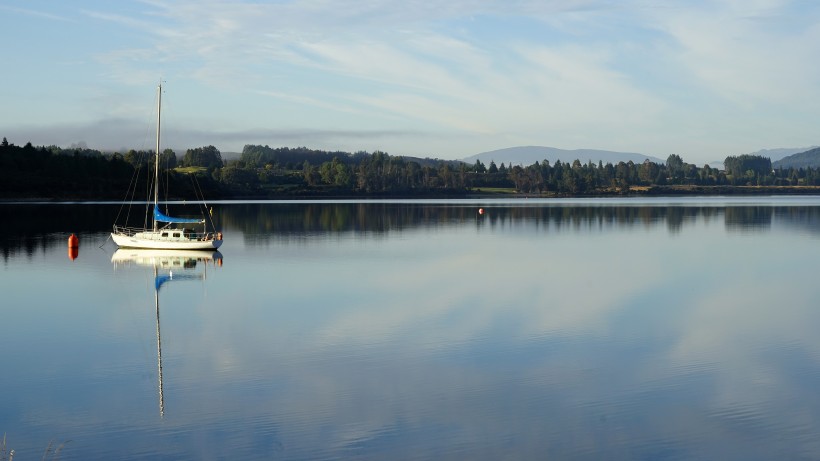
(477, 194)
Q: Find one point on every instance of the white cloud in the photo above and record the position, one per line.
(738, 51)
(703, 79)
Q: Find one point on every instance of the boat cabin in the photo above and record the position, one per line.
(177, 234)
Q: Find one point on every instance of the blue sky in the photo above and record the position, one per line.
(702, 78)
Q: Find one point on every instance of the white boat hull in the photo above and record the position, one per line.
(162, 258)
(130, 241)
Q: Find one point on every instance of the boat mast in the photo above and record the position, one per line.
(156, 164)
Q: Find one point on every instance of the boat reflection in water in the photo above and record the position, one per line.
(168, 266)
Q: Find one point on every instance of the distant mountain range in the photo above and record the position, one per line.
(797, 157)
(809, 158)
(527, 155)
(777, 154)
(772, 154)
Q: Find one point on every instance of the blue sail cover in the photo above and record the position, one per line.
(159, 216)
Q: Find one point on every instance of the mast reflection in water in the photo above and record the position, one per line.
(164, 263)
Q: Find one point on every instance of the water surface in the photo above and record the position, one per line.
(570, 329)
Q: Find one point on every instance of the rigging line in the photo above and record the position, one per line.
(150, 186)
(162, 184)
(163, 188)
(150, 126)
(140, 160)
(143, 153)
(193, 186)
(131, 182)
(165, 183)
(198, 189)
(197, 195)
(167, 167)
(205, 210)
(106, 241)
(133, 190)
(169, 177)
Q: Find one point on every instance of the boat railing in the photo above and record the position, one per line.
(187, 234)
(124, 230)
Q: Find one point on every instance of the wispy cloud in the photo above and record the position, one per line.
(685, 77)
(35, 13)
(740, 51)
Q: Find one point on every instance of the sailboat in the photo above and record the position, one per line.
(165, 232)
(164, 263)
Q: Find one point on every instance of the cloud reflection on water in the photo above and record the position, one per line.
(535, 333)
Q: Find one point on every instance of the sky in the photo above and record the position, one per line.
(702, 79)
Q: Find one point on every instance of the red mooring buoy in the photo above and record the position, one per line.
(481, 211)
(73, 247)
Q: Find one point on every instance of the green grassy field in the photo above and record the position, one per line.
(190, 169)
(493, 190)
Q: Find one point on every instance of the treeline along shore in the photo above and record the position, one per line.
(262, 172)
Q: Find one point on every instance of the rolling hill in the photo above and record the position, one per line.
(809, 158)
(781, 153)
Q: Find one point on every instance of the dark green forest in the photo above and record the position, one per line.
(51, 172)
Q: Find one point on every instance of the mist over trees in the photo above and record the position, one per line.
(262, 171)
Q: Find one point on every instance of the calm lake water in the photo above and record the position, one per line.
(656, 329)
